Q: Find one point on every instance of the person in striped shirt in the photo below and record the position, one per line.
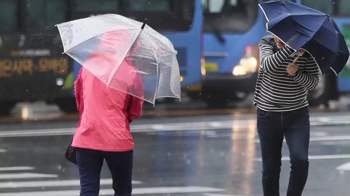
(284, 79)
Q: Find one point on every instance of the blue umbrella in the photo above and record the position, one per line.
(299, 26)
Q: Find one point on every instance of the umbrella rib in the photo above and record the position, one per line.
(155, 52)
(334, 71)
(318, 66)
(262, 9)
(168, 49)
(116, 69)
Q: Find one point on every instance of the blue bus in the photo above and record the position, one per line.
(179, 20)
(232, 32)
(32, 67)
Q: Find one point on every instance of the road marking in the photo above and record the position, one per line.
(210, 125)
(213, 134)
(215, 124)
(318, 157)
(331, 138)
(159, 127)
(16, 168)
(318, 134)
(53, 183)
(325, 138)
(323, 119)
(70, 131)
(26, 175)
(135, 191)
(336, 143)
(209, 194)
(3, 150)
(344, 167)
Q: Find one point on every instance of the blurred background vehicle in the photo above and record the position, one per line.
(232, 31)
(33, 68)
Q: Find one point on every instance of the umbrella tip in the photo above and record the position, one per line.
(144, 24)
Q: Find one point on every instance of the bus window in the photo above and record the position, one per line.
(163, 15)
(150, 5)
(274, 0)
(325, 6)
(56, 12)
(344, 8)
(8, 18)
(44, 14)
(96, 6)
(232, 16)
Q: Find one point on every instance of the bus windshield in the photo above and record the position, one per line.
(36, 15)
(162, 15)
(9, 22)
(229, 16)
(331, 7)
(96, 6)
(44, 15)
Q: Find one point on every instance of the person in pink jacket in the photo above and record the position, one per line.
(103, 131)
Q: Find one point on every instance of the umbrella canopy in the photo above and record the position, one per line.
(299, 26)
(125, 54)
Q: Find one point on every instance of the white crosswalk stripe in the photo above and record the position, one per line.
(25, 175)
(3, 150)
(209, 194)
(110, 192)
(16, 168)
(15, 182)
(187, 126)
(51, 183)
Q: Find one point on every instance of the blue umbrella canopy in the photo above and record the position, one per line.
(299, 26)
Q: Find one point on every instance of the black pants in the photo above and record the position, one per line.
(272, 128)
(90, 164)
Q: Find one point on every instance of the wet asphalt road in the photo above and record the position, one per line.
(207, 155)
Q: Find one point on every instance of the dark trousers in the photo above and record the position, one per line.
(294, 126)
(90, 164)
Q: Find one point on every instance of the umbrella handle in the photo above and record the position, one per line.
(299, 55)
(295, 60)
(144, 24)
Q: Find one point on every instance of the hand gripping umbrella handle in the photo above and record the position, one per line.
(299, 54)
(295, 60)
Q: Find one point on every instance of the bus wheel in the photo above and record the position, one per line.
(320, 94)
(239, 96)
(6, 107)
(67, 105)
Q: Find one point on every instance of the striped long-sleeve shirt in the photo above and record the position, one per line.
(276, 91)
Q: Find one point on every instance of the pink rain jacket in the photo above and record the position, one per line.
(105, 113)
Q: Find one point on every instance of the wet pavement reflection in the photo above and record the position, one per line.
(207, 155)
(41, 111)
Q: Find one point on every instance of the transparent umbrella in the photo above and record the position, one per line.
(125, 54)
